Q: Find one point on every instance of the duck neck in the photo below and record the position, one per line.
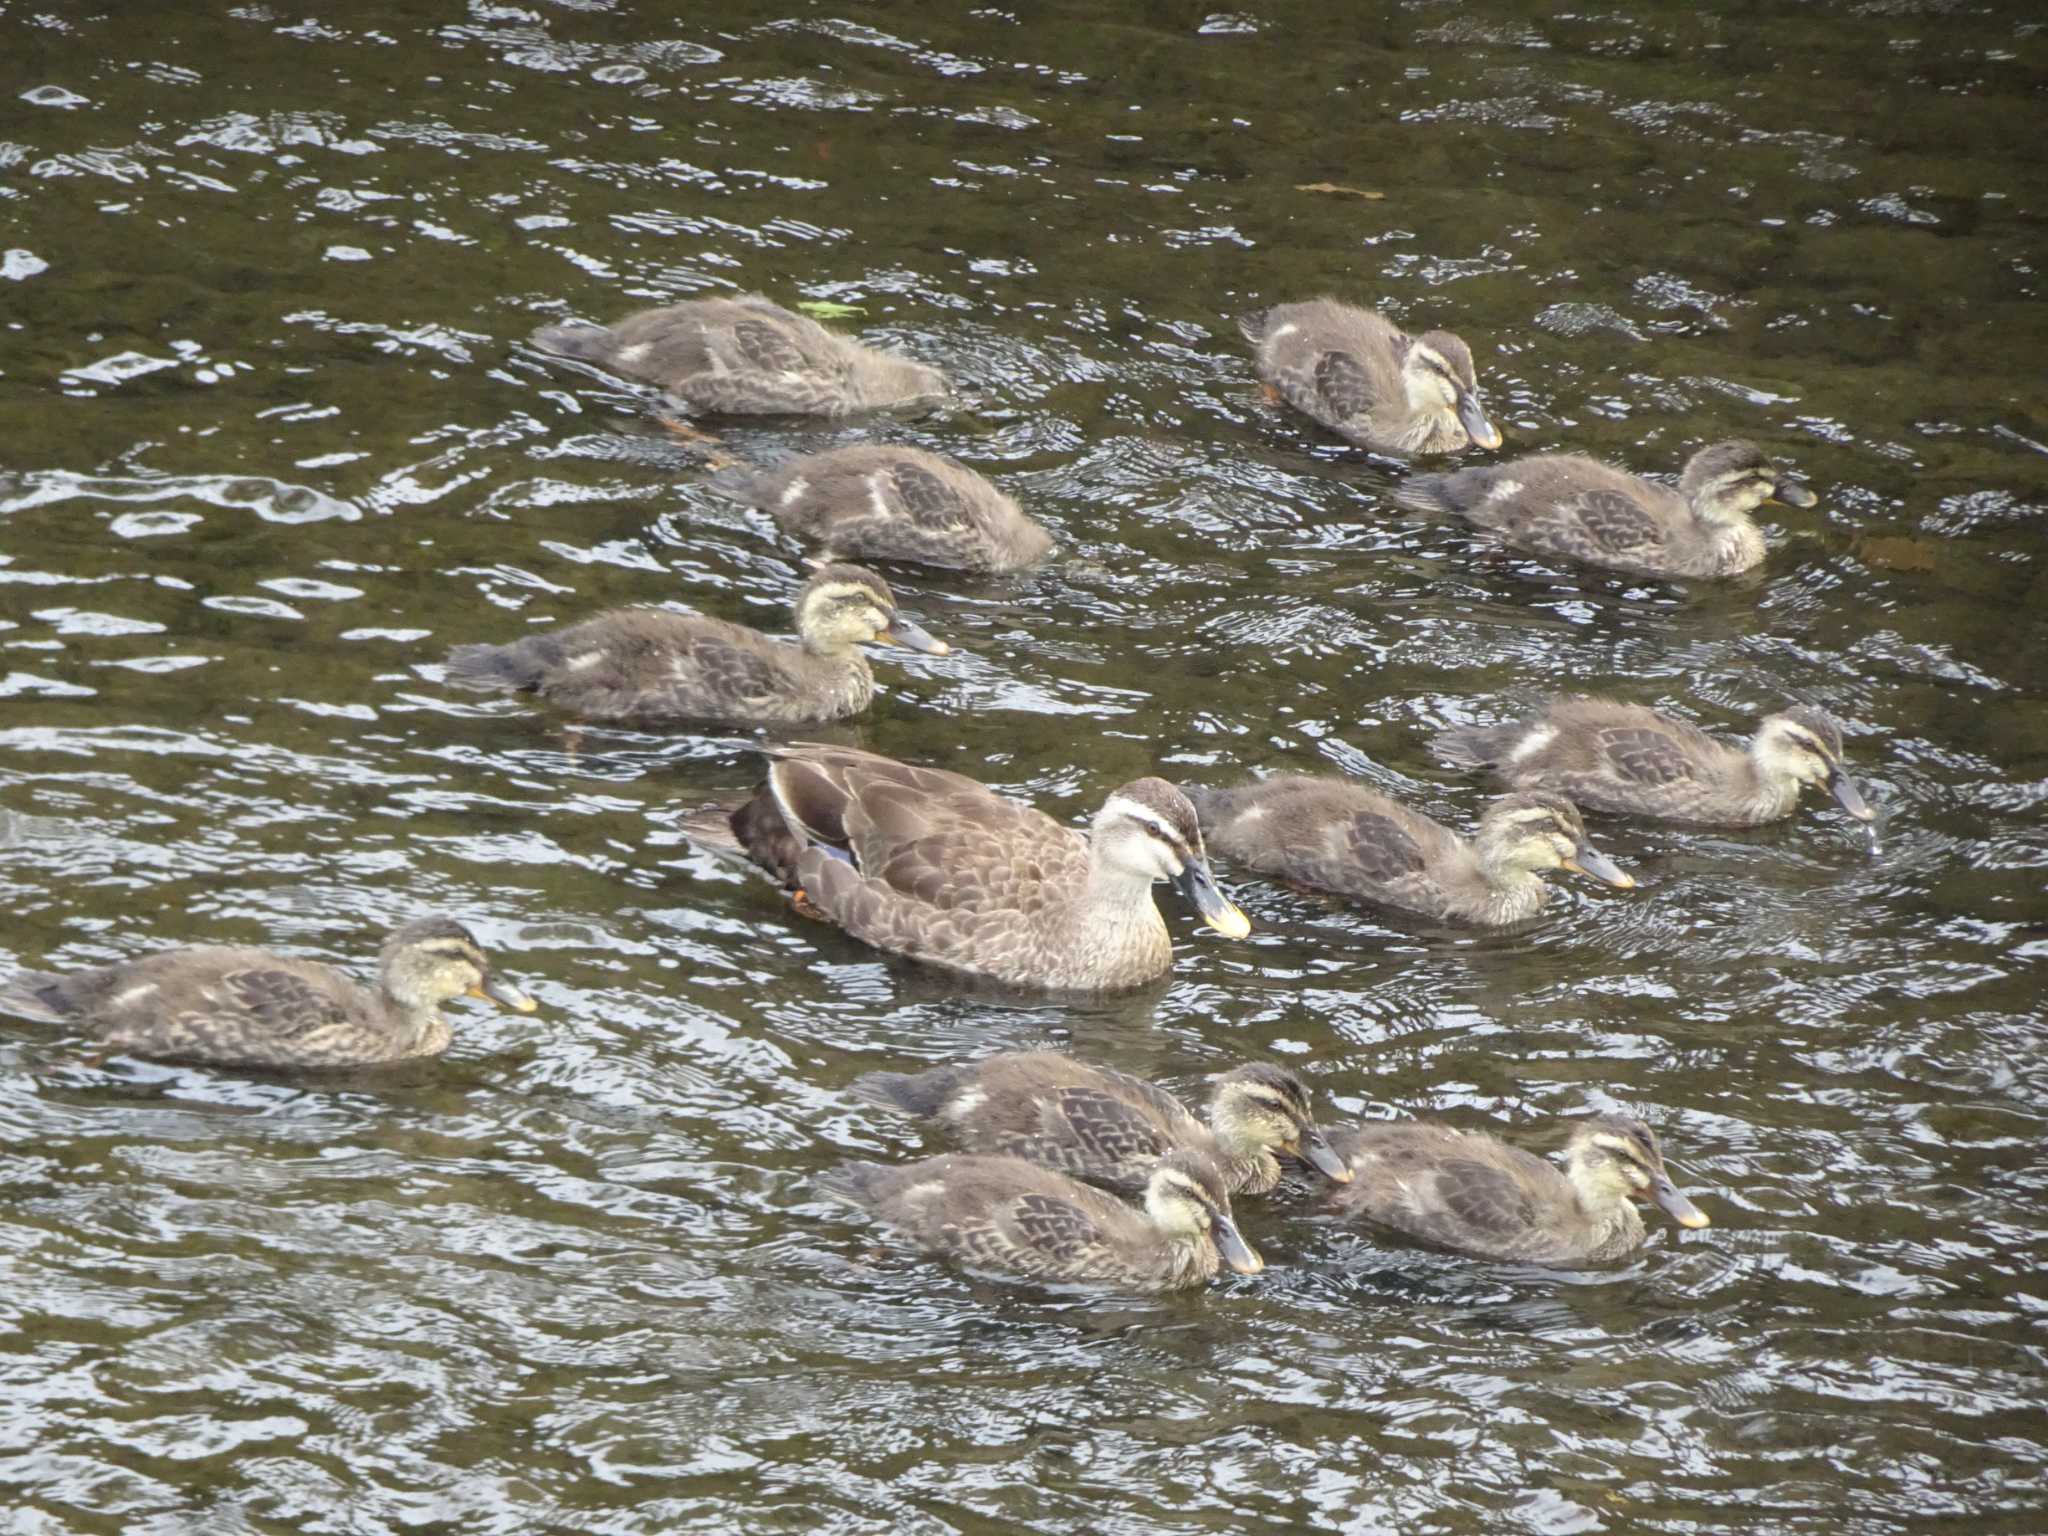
(1430, 429)
(1765, 795)
(1247, 1169)
(418, 1029)
(1117, 926)
(1613, 1225)
(1734, 542)
(1186, 1259)
(839, 670)
(1503, 891)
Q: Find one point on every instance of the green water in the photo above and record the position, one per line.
(270, 443)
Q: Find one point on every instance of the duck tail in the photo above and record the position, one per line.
(36, 995)
(1252, 323)
(855, 1183)
(515, 668)
(1476, 746)
(736, 482)
(749, 831)
(585, 343)
(922, 1094)
(1425, 493)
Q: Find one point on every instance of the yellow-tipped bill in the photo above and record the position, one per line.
(493, 989)
(1198, 885)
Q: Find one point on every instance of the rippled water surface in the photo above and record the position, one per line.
(271, 441)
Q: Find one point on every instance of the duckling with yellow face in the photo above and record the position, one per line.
(1370, 382)
(649, 665)
(1570, 505)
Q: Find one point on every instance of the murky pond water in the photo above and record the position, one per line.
(270, 442)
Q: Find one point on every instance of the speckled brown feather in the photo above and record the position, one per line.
(747, 356)
(877, 501)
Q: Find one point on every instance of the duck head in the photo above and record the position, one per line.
(1148, 830)
(842, 606)
(1805, 747)
(1438, 377)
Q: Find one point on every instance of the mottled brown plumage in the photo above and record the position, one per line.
(747, 356)
(248, 1007)
(1005, 1217)
(1367, 380)
(1631, 761)
(1472, 1192)
(935, 866)
(1343, 837)
(877, 501)
(649, 665)
(1108, 1126)
(1570, 505)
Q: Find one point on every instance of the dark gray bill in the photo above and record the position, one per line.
(495, 989)
(1237, 1253)
(1793, 493)
(1317, 1152)
(902, 631)
(1472, 416)
(1591, 861)
(1198, 885)
(1849, 797)
(1676, 1206)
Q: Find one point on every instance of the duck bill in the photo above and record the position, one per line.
(494, 990)
(1199, 887)
(1793, 493)
(1676, 1206)
(1317, 1152)
(1472, 417)
(1237, 1253)
(904, 632)
(1849, 797)
(1591, 861)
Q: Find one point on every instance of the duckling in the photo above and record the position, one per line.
(1631, 761)
(1108, 1126)
(646, 664)
(1005, 1217)
(240, 1007)
(935, 866)
(1366, 380)
(1343, 837)
(877, 501)
(1567, 504)
(1472, 1192)
(747, 356)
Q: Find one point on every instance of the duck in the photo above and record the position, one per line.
(1628, 760)
(651, 666)
(1339, 836)
(232, 1006)
(746, 355)
(936, 866)
(1367, 380)
(1570, 505)
(1109, 1127)
(1005, 1217)
(880, 501)
(1471, 1192)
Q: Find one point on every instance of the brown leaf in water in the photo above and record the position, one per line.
(1331, 189)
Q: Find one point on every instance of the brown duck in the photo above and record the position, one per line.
(1342, 837)
(1367, 380)
(747, 356)
(1004, 1217)
(1472, 1192)
(1108, 1126)
(1567, 504)
(1630, 761)
(649, 665)
(935, 866)
(251, 1008)
(878, 501)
